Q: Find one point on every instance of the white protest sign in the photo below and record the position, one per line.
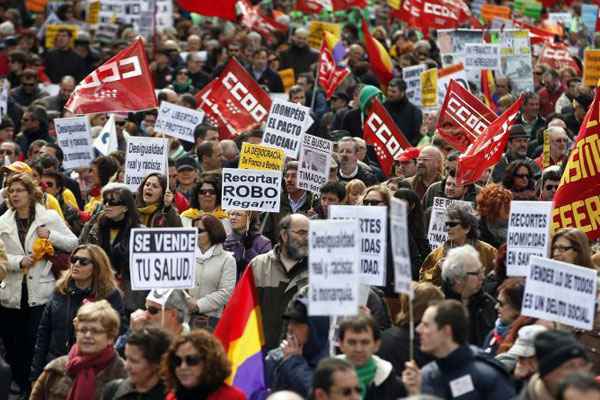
(373, 230)
(285, 126)
(75, 139)
(4, 98)
(314, 163)
(445, 75)
(332, 267)
(561, 292)
(563, 18)
(144, 155)
(438, 233)
(162, 258)
(412, 77)
(400, 250)
(178, 121)
(528, 234)
(249, 189)
(482, 56)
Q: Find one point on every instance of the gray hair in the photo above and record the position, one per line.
(177, 302)
(453, 267)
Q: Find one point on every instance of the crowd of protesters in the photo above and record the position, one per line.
(73, 328)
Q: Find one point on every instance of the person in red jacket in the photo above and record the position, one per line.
(196, 366)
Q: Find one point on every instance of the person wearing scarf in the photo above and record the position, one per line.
(91, 363)
(206, 199)
(154, 203)
(102, 169)
(510, 297)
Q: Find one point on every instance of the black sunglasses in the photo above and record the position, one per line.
(152, 310)
(452, 224)
(112, 203)
(81, 260)
(372, 203)
(201, 230)
(191, 361)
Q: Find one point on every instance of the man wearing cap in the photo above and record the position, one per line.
(516, 149)
(407, 162)
(62, 60)
(187, 176)
(407, 116)
(28, 90)
(558, 355)
(520, 358)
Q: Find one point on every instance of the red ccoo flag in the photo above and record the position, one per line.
(121, 84)
(330, 75)
(487, 149)
(381, 131)
(223, 8)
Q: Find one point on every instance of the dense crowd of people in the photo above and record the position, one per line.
(73, 328)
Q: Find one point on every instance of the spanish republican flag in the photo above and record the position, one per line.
(240, 331)
(380, 60)
(577, 200)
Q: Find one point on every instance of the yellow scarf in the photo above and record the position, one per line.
(194, 213)
(147, 212)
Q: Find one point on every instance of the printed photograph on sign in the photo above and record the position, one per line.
(314, 163)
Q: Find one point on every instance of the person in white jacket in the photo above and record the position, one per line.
(30, 282)
(215, 274)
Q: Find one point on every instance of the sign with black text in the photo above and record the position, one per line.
(253, 190)
(314, 163)
(286, 124)
(400, 249)
(75, 139)
(144, 155)
(177, 121)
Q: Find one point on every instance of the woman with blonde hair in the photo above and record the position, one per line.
(89, 278)
(354, 189)
(31, 235)
(572, 246)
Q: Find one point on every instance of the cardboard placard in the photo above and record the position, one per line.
(314, 163)
(252, 190)
(75, 139)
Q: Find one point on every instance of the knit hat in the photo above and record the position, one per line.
(523, 346)
(366, 94)
(554, 348)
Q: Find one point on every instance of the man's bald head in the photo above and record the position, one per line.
(284, 395)
(429, 162)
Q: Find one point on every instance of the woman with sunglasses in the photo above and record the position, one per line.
(572, 246)
(154, 203)
(196, 366)
(89, 278)
(29, 283)
(92, 361)
(215, 274)
(110, 229)
(206, 200)
(519, 180)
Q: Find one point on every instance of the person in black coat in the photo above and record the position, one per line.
(89, 278)
(5, 379)
(264, 75)
(407, 116)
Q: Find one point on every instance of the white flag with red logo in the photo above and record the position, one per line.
(234, 102)
(330, 74)
(388, 140)
(122, 84)
(488, 148)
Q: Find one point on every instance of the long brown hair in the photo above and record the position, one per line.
(26, 180)
(581, 245)
(103, 277)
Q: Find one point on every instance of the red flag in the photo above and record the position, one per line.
(487, 149)
(434, 14)
(537, 35)
(463, 117)
(223, 8)
(330, 75)
(121, 84)
(557, 56)
(577, 200)
(381, 131)
(234, 102)
(380, 60)
(255, 20)
(339, 5)
(311, 6)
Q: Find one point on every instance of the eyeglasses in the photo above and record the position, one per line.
(84, 261)
(152, 310)
(112, 203)
(476, 273)
(347, 392)
(452, 224)
(191, 361)
(7, 152)
(93, 331)
(522, 176)
(562, 249)
(372, 202)
(207, 192)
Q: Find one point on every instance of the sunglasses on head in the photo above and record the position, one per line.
(81, 260)
(190, 361)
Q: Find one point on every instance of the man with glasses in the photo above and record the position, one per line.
(516, 149)
(559, 147)
(335, 379)
(549, 183)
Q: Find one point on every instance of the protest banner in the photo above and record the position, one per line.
(162, 258)
(316, 29)
(482, 56)
(257, 156)
(52, 31)
(562, 18)
(560, 292)
(400, 250)
(314, 163)
(121, 11)
(452, 44)
(515, 52)
(252, 190)
(286, 124)
(429, 88)
(591, 67)
(491, 11)
(528, 8)
(528, 234)
(373, 230)
(437, 232)
(144, 155)
(412, 77)
(333, 248)
(75, 140)
(177, 121)
(557, 56)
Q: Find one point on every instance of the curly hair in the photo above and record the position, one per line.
(509, 177)
(32, 188)
(492, 200)
(216, 365)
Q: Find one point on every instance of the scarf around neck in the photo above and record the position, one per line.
(366, 373)
(84, 369)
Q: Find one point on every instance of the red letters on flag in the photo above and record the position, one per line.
(381, 131)
(577, 200)
(463, 117)
(487, 149)
(330, 75)
(121, 84)
(234, 102)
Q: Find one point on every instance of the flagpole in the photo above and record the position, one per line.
(316, 83)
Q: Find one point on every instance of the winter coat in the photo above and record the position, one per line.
(122, 389)
(245, 247)
(224, 392)
(386, 384)
(55, 383)
(55, 334)
(395, 348)
(40, 280)
(408, 118)
(534, 390)
(483, 377)
(215, 280)
(437, 190)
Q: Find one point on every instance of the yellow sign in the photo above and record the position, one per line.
(287, 77)
(546, 150)
(315, 32)
(53, 29)
(591, 67)
(394, 4)
(258, 156)
(429, 88)
(93, 12)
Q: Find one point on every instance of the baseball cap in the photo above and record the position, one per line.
(186, 163)
(18, 167)
(408, 154)
(554, 348)
(523, 346)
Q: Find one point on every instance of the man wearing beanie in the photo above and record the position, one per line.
(558, 355)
